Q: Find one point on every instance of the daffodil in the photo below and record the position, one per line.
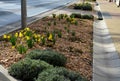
(35, 35)
(16, 34)
(39, 40)
(20, 34)
(8, 36)
(13, 47)
(27, 38)
(50, 37)
(4, 36)
(27, 29)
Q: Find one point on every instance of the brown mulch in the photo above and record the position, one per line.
(77, 49)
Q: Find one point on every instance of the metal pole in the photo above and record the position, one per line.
(23, 13)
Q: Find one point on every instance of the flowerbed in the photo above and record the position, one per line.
(68, 35)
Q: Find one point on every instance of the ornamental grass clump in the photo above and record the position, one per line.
(49, 56)
(28, 69)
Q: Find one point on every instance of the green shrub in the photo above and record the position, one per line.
(76, 15)
(59, 74)
(49, 56)
(27, 69)
(87, 17)
(84, 6)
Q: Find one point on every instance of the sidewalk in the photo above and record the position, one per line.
(106, 61)
(111, 15)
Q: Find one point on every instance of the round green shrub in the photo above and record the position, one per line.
(28, 69)
(59, 74)
(51, 57)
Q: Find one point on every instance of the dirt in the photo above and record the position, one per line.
(77, 48)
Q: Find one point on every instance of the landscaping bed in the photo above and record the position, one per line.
(69, 36)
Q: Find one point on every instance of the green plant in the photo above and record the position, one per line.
(21, 49)
(87, 17)
(59, 74)
(43, 40)
(83, 6)
(54, 22)
(54, 15)
(13, 40)
(59, 34)
(30, 43)
(49, 56)
(73, 33)
(27, 69)
(76, 15)
(49, 23)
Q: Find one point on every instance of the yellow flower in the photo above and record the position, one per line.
(13, 47)
(20, 34)
(27, 37)
(50, 37)
(38, 36)
(27, 29)
(4, 36)
(24, 33)
(16, 34)
(35, 35)
(8, 36)
(39, 40)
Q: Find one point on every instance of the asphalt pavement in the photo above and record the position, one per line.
(10, 10)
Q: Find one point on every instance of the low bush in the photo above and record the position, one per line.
(27, 69)
(59, 74)
(51, 57)
(75, 15)
(83, 6)
(87, 17)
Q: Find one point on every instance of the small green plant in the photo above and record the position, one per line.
(43, 40)
(50, 56)
(49, 23)
(30, 43)
(13, 40)
(28, 69)
(59, 34)
(73, 33)
(21, 49)
(54, 15)
(76, 23)
(54, 23)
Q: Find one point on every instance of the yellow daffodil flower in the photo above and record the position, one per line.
(4, 36)
(8, 36)
(27, 38)
(27, 29)
(35, 35)
(13, 47)
(38, 36)
(50, 37)
(39, 40)
(20, 34)
(16, 34)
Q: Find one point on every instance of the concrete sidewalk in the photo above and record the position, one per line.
(106, 61)
(111, 14)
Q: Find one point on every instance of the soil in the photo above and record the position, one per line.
(77, 49)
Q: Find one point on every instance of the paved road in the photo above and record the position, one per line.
(10, 10)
